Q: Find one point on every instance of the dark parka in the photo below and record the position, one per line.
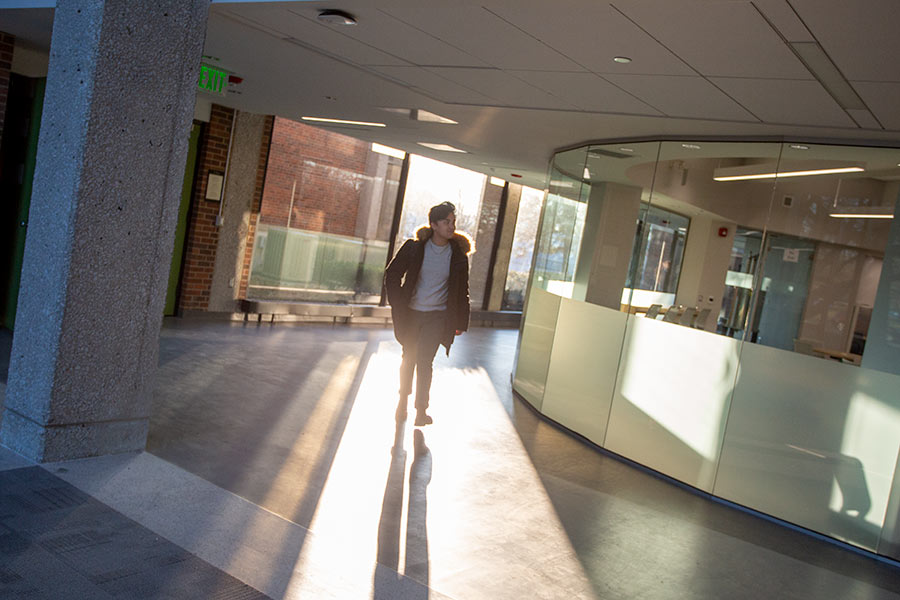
(402, 274)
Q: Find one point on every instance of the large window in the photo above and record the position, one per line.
(325, 219)
(431, 182)
(522, 251)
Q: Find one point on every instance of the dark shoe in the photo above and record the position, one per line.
(423, 419)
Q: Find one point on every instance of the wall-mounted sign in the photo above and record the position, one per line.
(212, 80)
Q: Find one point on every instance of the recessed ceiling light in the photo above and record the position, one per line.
(691, 146)
(342, 121)
(587, 173)
(799, 147)
(624, 60)
(441, 147)
(336, 17)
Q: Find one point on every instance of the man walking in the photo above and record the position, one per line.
(427, 286)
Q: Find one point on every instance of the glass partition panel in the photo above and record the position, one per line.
(814, 431)
(790, 247)
(562, 224)
(676, 376)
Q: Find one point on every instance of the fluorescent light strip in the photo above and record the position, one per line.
(342, 121)
(790, 174)
(859, 216)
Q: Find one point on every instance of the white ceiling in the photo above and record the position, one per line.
(526, 77)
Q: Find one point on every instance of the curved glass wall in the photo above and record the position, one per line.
(729, 315)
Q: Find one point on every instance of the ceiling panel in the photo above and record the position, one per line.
(691, 97)
(869, 54)
(783, 18)
(285, 23)
(592, 34)
(435, 86)
(483, 34)
(586, 91)
(509, 90)
(273, 85)
(380, 30)
(786, 102)
(717, 38)
(883, 99)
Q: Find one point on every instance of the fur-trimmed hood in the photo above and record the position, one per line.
(464, 242)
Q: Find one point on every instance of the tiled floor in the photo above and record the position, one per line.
(58, 542)
(274, 456)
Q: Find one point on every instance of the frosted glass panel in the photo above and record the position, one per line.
(537, 341)
(582, 375)
(890, 534)
(812, 441)
(672, 399)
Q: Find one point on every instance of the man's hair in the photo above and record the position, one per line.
(440, 211)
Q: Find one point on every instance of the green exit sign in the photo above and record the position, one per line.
(212, 80)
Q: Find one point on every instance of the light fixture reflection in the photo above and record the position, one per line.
(779, 175)
(860, 216)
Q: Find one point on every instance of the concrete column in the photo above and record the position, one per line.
(113, 144)
(606, 244)
(237, 201)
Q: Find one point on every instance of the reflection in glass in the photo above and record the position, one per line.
(559, 244)
(658, 253)
(745, 253)
(562, 225)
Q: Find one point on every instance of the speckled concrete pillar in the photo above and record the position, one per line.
(113, 144)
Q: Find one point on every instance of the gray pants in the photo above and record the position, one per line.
(423, 337)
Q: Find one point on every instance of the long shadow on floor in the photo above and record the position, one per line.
(388, 583)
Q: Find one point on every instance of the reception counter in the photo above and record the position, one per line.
(809, 441)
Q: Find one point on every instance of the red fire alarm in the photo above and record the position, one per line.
(723, 232)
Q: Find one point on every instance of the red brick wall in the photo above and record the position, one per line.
(6, 54)
(329, 171)
(202, 234)
(257, 201)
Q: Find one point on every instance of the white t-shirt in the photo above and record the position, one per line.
(431, 290)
